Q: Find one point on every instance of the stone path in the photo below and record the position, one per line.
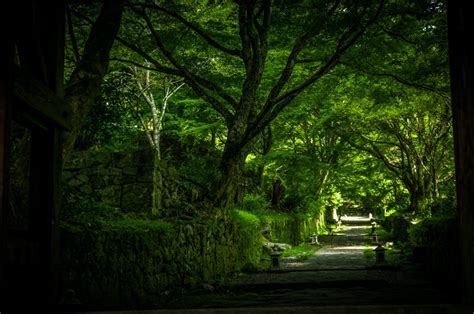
(337, 274)
(343, 250)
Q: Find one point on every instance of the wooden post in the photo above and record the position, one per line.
(30, 93)
(460, 26)
(6, 54)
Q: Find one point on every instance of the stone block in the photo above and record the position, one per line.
(136, 197)
(109, 171)
(82, 177)
(145, 174)
(87, 189)
(111, 195)
(130, 171)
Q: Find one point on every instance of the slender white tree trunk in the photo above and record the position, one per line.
(154, 135)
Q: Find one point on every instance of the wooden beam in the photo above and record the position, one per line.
(460, 25)
(37, 96)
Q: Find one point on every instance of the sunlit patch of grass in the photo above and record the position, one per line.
(301, 252)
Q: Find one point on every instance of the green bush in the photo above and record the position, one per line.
(397, 225)
(255, 202)
(433, 245)
(433, 232)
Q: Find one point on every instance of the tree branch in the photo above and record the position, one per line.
(399, 80)
(194, 81)
(199, 31)
(275, 104)
(158, 66)
(147, 133)
(72, 35)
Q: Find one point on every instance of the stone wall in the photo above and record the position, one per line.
(293, 228)
(132, 264)
(122, 180)
(129, 263)
(140, 263)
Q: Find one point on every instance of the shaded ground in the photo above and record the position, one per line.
(338, 274)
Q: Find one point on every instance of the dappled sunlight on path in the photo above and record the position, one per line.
(351, 219)
(342, 250)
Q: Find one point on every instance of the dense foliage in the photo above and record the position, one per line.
(301, 106)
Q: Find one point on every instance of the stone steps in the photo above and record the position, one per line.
(344, 309)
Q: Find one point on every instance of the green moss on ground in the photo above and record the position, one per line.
(301, 252)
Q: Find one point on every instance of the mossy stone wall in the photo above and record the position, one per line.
(121, 179)
(129, 265)
(292, 228)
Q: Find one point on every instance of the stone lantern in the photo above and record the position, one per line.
(275, 258)
(373, 227)
(380, 255)
(375, 237)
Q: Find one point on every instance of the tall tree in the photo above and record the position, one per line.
(399, 102)
(413, 148)
(328, 31)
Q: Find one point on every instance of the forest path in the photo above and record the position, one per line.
(343, 250)
(337, 274)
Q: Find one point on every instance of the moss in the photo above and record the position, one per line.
(302, 252)
(131, 261)
(245, 218)
(141, 225)
(273, 217)
(291, 228)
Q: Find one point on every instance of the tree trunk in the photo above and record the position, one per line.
(420, 201)
(278, 190)
(417, 203)
(230, 186)
(319, 188)
(157, 193)
(258, 179)
(85, 81)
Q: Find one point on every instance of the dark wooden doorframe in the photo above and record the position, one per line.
(460, 27)
(48, 52)
(31, 94)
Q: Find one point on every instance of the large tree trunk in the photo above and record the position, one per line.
(419, 203)
(85, 81)
(230, 186)
(420, 197)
